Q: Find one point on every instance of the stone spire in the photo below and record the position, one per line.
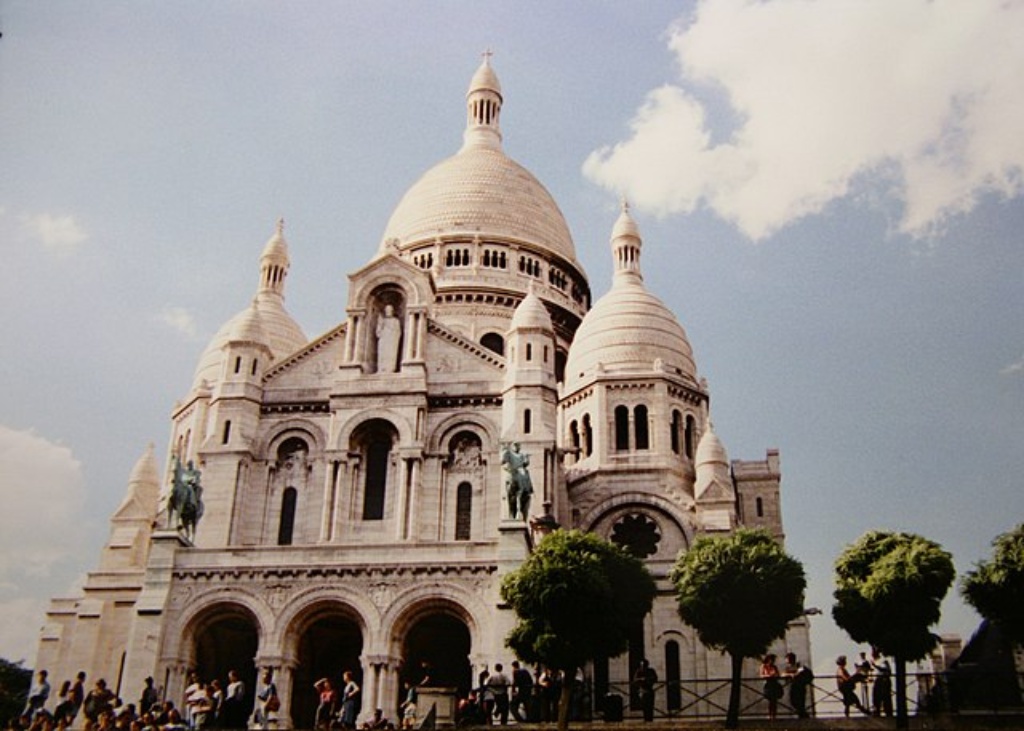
(483, 108)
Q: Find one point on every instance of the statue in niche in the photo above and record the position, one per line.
(389, 333)
(518, 485)
(186, 499)
(466, 452)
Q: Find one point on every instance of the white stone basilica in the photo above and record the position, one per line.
(355, 508)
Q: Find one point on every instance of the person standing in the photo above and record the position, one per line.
(349, 700)
(881, 690)
(644, 680)
(498, 684)
(149, 697)
(268, 702)
(233, 713)
(522, 692)
(800, 677)
(328, 704)
(769, 672)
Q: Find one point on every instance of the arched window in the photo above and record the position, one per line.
(286, 527)
(759, 506)
(494, 341)
(238, 364)
(673, 697)
(374, 440)
(529, 351)
(621, 428)
(226, 435)
(527, 421)
(641, 427)
(588, 436)
(574, 435)
(691, 435)
(463, 511)
(675, 429)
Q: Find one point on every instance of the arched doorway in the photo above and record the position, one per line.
(440, 639)
(329, 642)
(226, 638)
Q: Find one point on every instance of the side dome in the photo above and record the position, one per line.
(480, 191)
(265, 322)
(628, 330)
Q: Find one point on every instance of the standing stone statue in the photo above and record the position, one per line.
(389, 333)
(518, 485)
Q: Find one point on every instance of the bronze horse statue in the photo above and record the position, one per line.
(186, 499)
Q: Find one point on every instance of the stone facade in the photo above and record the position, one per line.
(355, 507)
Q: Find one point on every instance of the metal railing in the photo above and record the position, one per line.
(708, 698)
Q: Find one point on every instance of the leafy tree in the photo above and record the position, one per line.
(739, 592)
(889, 588)
(577, 598)
(996, 587)
(14, 683)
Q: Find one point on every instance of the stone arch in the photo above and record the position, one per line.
(219, 632)
(323, 637)
(675, 534)
(435, 633)
(441, 435)
(305, 429)
(345, 433)
(394, 274)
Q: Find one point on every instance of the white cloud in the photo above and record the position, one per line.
(919, 97)
(44, 494)
(59, 234)
(180, 320)
(1013, 368)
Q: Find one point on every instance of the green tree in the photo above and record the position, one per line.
(889, 588)
(14, 683)
(996, 587)
(577, 598)
(739, 592)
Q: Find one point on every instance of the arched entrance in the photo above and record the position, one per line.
(440, 639)
(226, 638)
(330, 641)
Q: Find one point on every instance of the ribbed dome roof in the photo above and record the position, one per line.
(480, 191)
(628, 329)
(264, 321)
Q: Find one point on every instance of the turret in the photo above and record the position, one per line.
(132, 523)
(714, 490)
(483, 108)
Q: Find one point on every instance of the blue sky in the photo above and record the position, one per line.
(829, 194)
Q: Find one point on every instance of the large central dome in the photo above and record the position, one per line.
(480, 191)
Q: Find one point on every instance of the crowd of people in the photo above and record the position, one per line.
(204, 705)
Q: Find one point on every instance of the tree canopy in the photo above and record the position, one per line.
(14, 684)
(740, 592)
(889, 589)
(996, 587)
(577, 597)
